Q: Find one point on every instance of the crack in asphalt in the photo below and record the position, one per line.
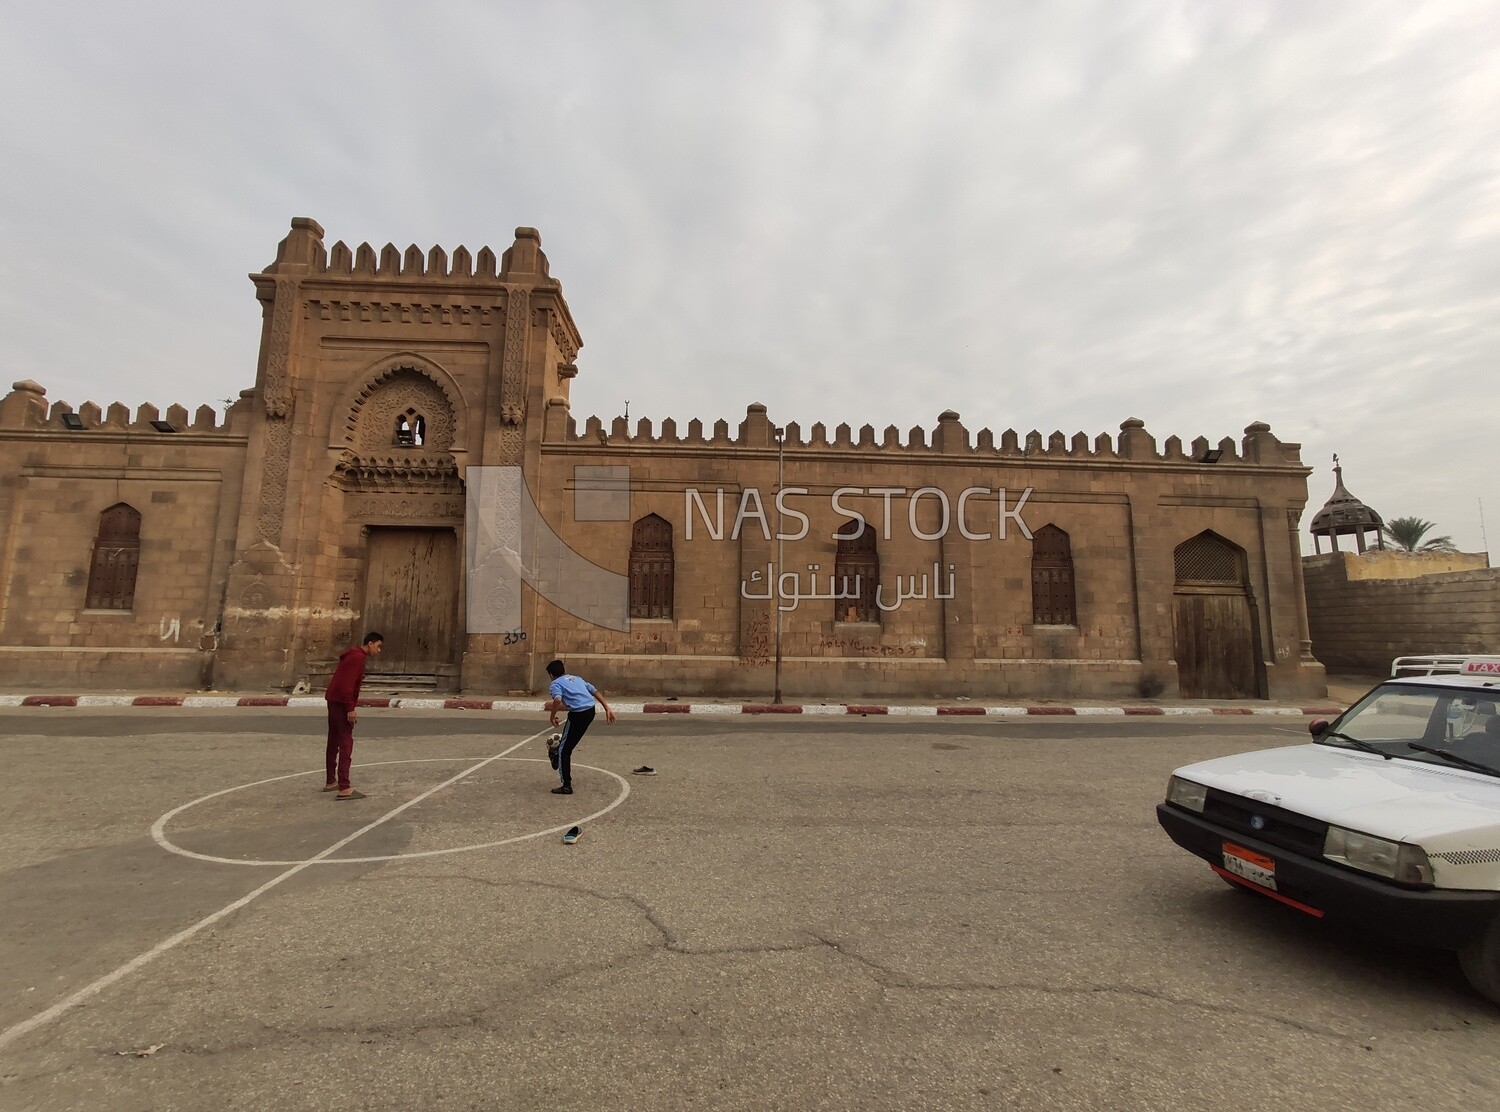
(890, 979)
(670, 941)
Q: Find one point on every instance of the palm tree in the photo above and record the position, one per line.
(1408, 533)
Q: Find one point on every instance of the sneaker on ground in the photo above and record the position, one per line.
(644, 770)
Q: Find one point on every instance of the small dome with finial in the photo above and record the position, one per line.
(1343, 514)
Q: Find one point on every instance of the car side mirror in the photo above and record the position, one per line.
(1318, 727)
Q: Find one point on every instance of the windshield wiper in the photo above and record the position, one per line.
(1354, 741)
(1477, 766)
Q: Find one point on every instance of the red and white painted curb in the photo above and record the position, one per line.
(534, 706)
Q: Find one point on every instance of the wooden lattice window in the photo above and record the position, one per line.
(651, 568)
(1207, 558)
(856, 571)
(117, 556)
(1053, 598)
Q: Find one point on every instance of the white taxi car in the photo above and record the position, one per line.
(1390, 819)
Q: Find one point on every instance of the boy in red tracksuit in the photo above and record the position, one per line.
(343, 698)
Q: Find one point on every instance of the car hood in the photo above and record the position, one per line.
(1403, 800)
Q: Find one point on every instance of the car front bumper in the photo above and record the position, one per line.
(1443, 918)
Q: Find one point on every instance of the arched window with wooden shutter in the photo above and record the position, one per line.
(1053, 598)
(117, 557)
(856, 575)
(651, 568)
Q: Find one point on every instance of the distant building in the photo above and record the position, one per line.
(173, 551)
(1365, 609)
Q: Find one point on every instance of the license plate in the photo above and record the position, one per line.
(1257, 868)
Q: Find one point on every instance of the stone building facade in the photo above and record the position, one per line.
(332, 497)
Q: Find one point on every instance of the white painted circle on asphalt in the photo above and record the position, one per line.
(159, 827)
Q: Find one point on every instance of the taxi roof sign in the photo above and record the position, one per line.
(1454, 664)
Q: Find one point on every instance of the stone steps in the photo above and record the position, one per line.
(398, 683)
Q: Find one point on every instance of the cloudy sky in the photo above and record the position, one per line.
(1049, 216)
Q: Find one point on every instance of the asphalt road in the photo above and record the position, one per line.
(795, 914)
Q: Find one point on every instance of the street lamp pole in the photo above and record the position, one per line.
(780, 476)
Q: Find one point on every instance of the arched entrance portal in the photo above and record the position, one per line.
(1215, 635)
(401, 484)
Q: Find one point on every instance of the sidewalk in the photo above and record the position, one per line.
(1342, 691)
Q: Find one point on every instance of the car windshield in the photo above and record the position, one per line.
(1462, 726)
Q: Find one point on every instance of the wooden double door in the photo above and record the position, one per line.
(1215, 635)
(1215, 645)
(411, 596)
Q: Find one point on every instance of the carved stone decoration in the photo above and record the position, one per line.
(278, 397)
(399, 433)
(399, 312)
(500, 602)
(412, 508)
(512, 445)
(405, 472)
(513, 376)
(274, 479)
(371, 424)
(278, 394)
(255, 596)
(550, 320)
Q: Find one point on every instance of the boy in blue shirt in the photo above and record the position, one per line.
(576, 696)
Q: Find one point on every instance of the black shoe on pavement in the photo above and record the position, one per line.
(644, 770)
(564, 790)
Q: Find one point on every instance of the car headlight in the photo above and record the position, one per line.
(1396, 860)
(1186, 794)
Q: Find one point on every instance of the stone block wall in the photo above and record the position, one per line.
(1125, 505)
(183, 478)
(1360, 623)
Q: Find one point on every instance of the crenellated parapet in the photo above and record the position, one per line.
(26, 407)
(420, 292)
(303, 253)
(391, 262)
(1258, 447)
